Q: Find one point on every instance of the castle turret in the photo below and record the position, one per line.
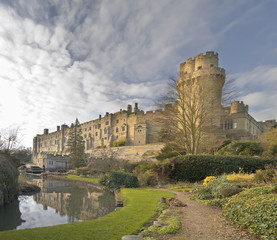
(237, 107)
(203, 73)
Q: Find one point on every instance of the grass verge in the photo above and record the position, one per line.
(140, 207)
(75, 177)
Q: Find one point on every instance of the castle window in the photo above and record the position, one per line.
(116, 130)
(228, 124)
(212, 65)
(99, 126)
(117, 121)
(96, 134)
(199, 67)
(89, 128)
(123, 128)
(235, 125)
(105, 131)
(107, 123)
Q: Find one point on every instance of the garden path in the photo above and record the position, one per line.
(203, 222)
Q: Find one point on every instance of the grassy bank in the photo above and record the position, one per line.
(140, 207)
(75, 177)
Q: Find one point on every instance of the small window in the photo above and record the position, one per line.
(99, 126)
(123, 128)
(117, 121)
(199, 67)
(212, 65)
(89, 128)
(116, 130)
(107, 122)
(235, 125)
(96, 133)
(105, 131)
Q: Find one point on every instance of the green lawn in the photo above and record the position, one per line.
(75, 177)
(140, 207)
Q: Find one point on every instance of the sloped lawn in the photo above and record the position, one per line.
(140, 207)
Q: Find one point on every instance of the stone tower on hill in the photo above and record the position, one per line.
(139, 130)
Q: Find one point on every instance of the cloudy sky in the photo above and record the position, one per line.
(65, 59)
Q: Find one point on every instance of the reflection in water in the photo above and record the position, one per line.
(10, 216)
(58, 203)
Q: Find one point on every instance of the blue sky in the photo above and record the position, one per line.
(66, 59)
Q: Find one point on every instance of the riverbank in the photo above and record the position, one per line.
(139, 208)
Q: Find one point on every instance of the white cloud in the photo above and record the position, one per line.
(65, 59)
(259, 91)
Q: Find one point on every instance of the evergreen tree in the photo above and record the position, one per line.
(76, 146)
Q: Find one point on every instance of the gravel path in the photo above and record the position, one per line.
(202, 222)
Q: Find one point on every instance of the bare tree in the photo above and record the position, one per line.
(195, 111)
(230, 91)
(10, 140)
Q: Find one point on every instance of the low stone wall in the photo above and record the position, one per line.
(139, 153)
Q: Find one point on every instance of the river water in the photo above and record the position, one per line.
(59, 202)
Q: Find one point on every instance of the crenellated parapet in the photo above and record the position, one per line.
(238, 106)
(202, 66)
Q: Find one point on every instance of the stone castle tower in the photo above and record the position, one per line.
(140, 130)
(204, 70)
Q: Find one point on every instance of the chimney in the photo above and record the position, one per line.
(129, 108)
(45, 131)
(136, 108)
(58, 128)
(100, 117)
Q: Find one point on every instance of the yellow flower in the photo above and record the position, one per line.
(208, 180)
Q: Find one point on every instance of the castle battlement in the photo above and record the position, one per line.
(137, 127)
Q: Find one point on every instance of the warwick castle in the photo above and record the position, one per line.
(140, 130)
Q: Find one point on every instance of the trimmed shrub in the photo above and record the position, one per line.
(197, 167)
(255, 209)
(116, 180)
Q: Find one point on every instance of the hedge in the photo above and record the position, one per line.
(198, 167)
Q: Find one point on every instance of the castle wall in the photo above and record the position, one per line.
(136, 153)
(140, 129)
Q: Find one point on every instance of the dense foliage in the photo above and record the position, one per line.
(116, 180)
(197, 167)
(170, 150)
(242, 149)
(8, 178)
(255, 209)
(153, 173)
(119, 143)
(76, 146)
(269, 141)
